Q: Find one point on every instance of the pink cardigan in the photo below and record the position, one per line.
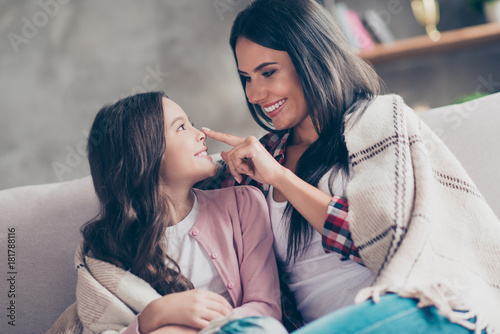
(234, 229)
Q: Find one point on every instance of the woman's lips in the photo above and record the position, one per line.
(276, 111)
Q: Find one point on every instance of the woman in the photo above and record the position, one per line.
(161, 257)
(333, 136)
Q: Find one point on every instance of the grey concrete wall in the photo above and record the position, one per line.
(60, 62)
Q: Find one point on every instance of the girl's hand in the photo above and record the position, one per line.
(192, 308)
(248, 157)
(175, 329)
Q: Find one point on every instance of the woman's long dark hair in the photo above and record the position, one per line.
(335, 82)
(125, 149)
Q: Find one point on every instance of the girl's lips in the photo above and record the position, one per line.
(275, 112)
(203, 154)
(207, 157)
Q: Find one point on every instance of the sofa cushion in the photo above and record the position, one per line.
(471, 131)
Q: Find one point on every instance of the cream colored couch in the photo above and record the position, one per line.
(47, 218)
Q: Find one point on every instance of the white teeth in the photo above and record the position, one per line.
(201, 154)
(274, 106)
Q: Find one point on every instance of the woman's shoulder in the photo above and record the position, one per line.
(386, 100)
(377, 106)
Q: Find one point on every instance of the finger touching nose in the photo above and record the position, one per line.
(223, 137)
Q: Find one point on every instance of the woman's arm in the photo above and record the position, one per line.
(249, 157)
(309, 201)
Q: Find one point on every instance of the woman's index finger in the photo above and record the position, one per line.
(223, 137)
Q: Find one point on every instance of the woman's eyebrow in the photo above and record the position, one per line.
(258, 68)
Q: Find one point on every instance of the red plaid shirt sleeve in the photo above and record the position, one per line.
(336, 234)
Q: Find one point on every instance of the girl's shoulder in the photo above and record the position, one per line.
(230, 196)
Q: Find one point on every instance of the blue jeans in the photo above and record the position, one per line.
(393, 314)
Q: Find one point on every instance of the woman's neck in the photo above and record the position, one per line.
(304, 133)
(182, 200)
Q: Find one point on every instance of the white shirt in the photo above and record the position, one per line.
(320, 282)
(193, 260)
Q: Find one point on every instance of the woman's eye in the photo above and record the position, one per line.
(247, 79)
(268, 73)
(181, 127)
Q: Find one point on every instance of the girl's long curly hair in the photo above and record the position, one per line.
(125, 148)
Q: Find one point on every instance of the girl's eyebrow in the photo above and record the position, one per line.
(178, 118)
(258, 68)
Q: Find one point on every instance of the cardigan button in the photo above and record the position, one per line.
(195, 232)
(230, 285)
(215, 255)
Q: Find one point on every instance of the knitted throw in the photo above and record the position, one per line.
(108, 299)
(418, 220)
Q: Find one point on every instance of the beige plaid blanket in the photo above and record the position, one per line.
(108, 299)
(418, 220)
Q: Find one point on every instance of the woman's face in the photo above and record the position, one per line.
(272, 82)
(185, 160)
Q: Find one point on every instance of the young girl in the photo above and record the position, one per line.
(176, 256)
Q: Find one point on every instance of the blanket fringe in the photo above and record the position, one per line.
(441, 295)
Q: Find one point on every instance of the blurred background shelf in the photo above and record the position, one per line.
(420, 45)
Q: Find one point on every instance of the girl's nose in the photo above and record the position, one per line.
(201, 135)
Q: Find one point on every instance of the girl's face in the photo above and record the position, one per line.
(185, 160)
(272, 82)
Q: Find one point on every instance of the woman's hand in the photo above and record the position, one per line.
(192, 308)
(248, 157)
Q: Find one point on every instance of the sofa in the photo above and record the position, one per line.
(43, 221)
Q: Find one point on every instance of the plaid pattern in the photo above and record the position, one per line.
(275, 143)
(336, 235)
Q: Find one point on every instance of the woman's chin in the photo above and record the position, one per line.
(279, 126)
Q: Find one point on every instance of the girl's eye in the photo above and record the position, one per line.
(268, 73)
(182, 127)
(247, 79)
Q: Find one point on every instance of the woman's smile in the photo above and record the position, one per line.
(273, 109)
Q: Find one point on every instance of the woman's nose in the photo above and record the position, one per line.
(255, 93)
